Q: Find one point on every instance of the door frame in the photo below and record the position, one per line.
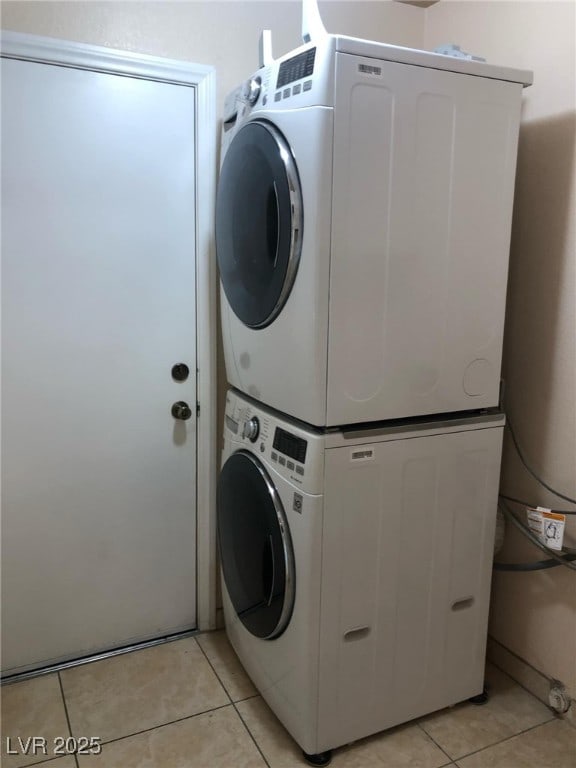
(202, 79)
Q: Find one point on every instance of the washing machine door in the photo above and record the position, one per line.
(255, 546)
(258, 223)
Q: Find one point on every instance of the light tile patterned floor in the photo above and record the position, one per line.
(189, 704)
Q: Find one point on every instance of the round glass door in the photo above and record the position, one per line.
(255, 547)
(258, 223)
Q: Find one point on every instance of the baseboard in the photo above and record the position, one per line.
(525, 675)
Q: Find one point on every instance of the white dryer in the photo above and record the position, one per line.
(356, 566)
(362, 230)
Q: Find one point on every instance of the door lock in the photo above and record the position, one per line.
(181, 410)
(180, 372)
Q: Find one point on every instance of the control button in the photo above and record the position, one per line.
(274, 456)
(277, 95)
(286, 93)
(262, 447)
(307, 85)
(296, 89)
(251, 429)
(290, 464)
(282, 461)
(299, 470)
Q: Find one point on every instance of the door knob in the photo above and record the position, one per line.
(181, 410)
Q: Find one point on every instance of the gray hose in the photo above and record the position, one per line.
(529, 468)
(533, 538)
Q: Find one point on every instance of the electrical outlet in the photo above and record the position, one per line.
(558, 697)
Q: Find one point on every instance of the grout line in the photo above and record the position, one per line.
(519, 659)
(66, 713)
(162, 725)
(508, 738)
(45, 762)
(571, 720)
(154, 727)
(250, 732)
(58, 757)
(514, 680)
(213, 670)
(64, 703)
(234, 703)
(425, 732)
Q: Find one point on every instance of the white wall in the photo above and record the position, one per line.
(223, 34)
(534, 615)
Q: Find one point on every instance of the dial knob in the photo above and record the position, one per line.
(251, 429)
(252, 90)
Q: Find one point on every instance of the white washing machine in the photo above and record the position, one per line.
(363, 224)
(356, 566)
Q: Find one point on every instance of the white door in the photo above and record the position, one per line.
(98, 302)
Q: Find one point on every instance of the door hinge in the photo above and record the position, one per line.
(197, 409)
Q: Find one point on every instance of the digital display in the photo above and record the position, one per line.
(232, 425)
(290, 445)
(296, 68)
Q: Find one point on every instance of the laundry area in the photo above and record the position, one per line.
(294, 484)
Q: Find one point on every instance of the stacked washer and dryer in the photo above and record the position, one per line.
(363, 226)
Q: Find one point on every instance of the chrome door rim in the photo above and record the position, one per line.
(287, 549)
(296, 218)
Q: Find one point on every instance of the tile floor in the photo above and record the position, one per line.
(189, 704)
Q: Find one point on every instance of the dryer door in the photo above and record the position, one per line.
(255, 546)
(258, 223)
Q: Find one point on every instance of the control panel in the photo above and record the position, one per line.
(290, 445)
(289, 450)
(296, 68)
(274, 83)
(284, 449)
